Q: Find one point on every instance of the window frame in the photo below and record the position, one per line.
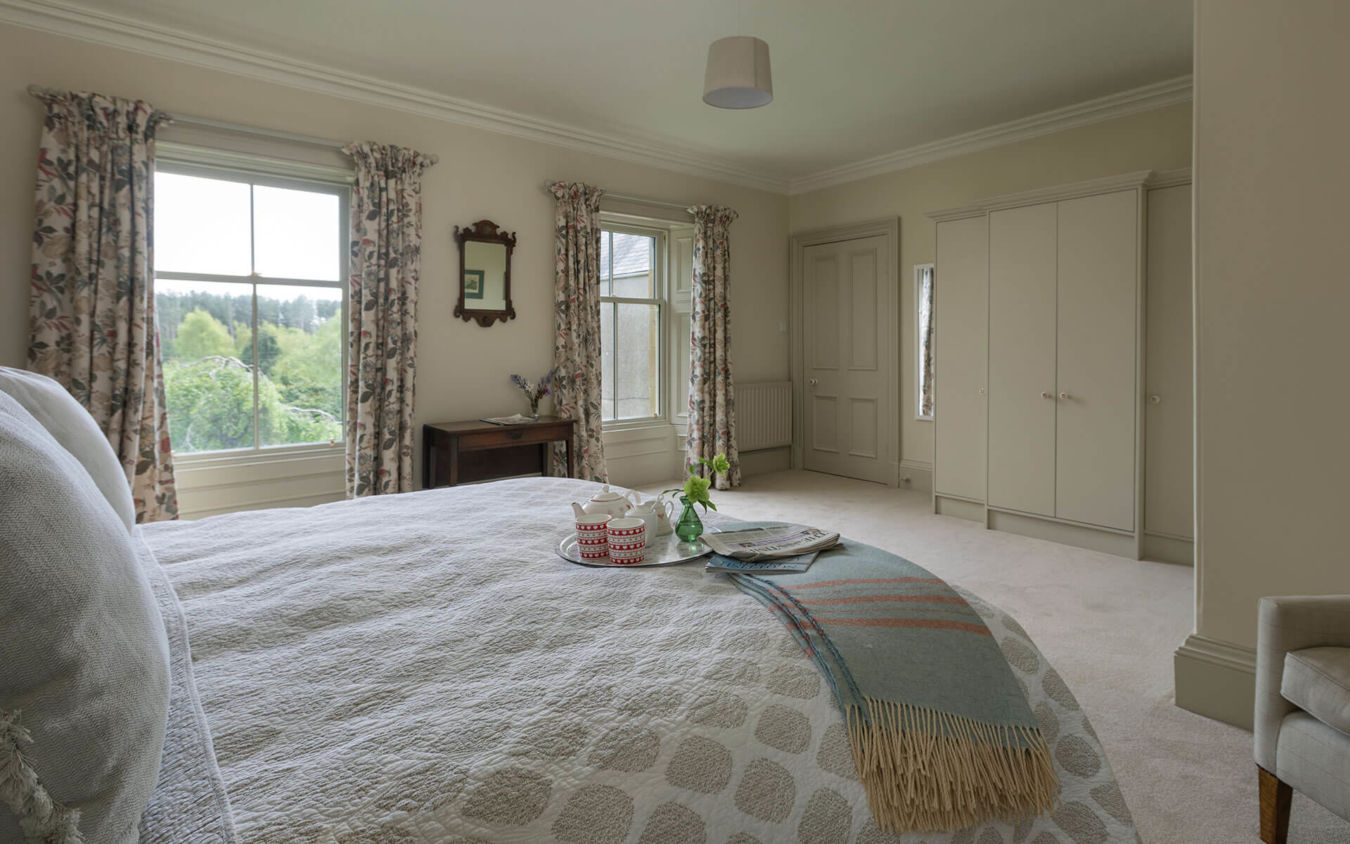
(622, 224)
(266, 172)
(919, 270)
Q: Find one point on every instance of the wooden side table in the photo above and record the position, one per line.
(458, 452)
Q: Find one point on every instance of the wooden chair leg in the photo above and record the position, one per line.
(1275, 797)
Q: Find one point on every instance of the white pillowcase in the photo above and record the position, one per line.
(76, 431)
(82, 644)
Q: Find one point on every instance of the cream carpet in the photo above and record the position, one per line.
(1109, 624)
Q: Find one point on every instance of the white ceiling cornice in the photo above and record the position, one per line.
(164, 42)
(1169, 92)
(126, 33)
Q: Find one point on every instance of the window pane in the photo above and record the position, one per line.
(604, 263)
(300, 336)
(606, 360)
(639, 337)
(297, 234)
(201, 225)
(205, 336)
(634, 257)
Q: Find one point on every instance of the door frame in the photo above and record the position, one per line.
(886, 227)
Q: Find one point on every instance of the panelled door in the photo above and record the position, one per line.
(961, 349)
(1097, 331)
(1022, 257)
(846, 294)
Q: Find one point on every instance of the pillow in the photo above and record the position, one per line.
(76, 431)
(84, 689)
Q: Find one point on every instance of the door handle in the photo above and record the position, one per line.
(812, 382)
(1155, 399)
(1065, 396)
(1047, 395)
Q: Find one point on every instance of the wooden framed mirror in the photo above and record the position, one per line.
(484, 273)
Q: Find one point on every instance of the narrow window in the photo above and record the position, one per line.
(923, 288)
(631, 313)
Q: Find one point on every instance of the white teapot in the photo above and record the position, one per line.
(655, 512)
(606, 502)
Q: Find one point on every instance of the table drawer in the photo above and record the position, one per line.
(523, 435)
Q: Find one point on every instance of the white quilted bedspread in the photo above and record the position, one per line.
(424, 668)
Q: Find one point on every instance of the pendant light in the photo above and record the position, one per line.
(738, 73)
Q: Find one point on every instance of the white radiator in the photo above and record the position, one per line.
(763, 415)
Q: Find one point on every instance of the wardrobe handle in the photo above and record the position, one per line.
(1155, 399)
(1065, 396)
(1047, 395)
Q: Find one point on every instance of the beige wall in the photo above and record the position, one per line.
(462, 367)
(1159, 140)
(1272, 303)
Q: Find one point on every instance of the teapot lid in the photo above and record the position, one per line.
(606, 494)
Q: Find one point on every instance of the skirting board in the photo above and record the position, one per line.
(1121, 545)
(1216, 679)
(1169, 549)
(959, 508)
(920, 475)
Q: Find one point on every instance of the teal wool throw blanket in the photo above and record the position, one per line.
(941, 731)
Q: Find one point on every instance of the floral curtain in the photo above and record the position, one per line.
(576, 339)
(92, 301)
(712, 411)
(386, 260)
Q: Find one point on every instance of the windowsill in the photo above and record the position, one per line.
(244, 457)
(640, 429)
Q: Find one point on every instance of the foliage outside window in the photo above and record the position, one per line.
(249, 305)
(631, 322)
(923, 287)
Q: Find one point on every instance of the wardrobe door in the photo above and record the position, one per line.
(1098, 355)
(1022, 359)
(960, 349)
(1168, 464)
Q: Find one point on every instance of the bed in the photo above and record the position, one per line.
(424, 668)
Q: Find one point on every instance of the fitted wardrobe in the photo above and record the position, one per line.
(1062, 358)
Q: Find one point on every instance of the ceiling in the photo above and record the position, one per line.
(853, 79)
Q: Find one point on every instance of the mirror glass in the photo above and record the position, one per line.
(484, 276)
(484, 273)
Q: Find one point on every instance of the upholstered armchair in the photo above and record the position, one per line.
(1302, 727)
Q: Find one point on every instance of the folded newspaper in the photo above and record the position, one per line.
(768, 543)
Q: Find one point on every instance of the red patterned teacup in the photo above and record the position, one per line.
(593, 523)
(627, 530)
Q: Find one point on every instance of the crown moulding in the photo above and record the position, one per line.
(156, 40)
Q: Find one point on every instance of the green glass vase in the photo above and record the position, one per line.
(689, 527)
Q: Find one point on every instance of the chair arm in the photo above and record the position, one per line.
(1289, 623)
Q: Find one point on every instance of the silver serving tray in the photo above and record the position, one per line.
(665, 550)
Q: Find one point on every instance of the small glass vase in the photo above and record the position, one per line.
(689, 527)
(534, 408)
